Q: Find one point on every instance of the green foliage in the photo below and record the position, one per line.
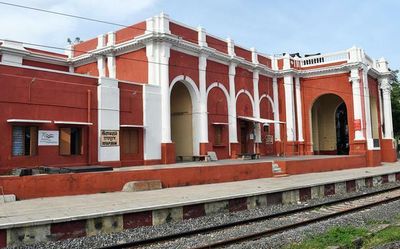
(337, 236)
(396, 104)
(387, 235)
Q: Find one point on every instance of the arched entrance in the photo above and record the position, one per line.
(181, 121)
(329, 126)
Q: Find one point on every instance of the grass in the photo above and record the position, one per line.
(387, 235)
(344, 237)
(337, 236)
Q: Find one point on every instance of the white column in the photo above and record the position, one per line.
(256, 111)
(111, 66)
(299, 112)
(367, 110)
(108, 116)
(165, 93)
(232, 103)
(101, 66)
(387, 108)
(290, 111)
(355, 79)
(276, 108)
(203, 99)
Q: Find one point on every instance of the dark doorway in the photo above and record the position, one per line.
(342, 130)
(244, 127)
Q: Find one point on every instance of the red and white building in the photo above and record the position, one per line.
(166, 90)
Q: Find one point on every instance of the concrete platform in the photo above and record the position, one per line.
(58, 218)
(174, 175)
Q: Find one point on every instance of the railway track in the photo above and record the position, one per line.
(263, 226)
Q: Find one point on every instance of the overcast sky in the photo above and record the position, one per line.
(305, 26)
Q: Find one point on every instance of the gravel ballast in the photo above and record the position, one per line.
(387, 211)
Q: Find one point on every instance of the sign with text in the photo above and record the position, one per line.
(109, 138)
(48, 138)
(269, 139)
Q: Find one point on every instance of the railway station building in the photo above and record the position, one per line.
(160, 91)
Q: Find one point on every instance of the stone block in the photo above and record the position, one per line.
(216, 207)
(167, 215)
(135, 186)
(392, 177)
(108, 224)
(290, 197)
(317, 192)
(28, 235)
(256, 201)
(377, 181)
(360, 184)
(340, 188)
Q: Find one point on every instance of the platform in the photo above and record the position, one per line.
(172, 175)
(57, 218)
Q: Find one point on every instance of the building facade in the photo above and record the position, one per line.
(159, 90)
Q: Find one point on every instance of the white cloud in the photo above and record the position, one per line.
(39, 27)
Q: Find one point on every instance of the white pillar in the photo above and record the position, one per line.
(232, 103)
(101, 66)
(112, 73)
(276, 108)
(367, 110)
(387, 108)
(380, 107)
(355, 79)
(165, 93)
(203, 99)
(108, 116)
(299, 112)
(256, 111)
(290, 111)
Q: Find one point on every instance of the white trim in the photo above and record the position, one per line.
(270, 100)
(29, 121)
(248, 94)
(219, 123)
(132, 126)
(72, 123)
(261, 120)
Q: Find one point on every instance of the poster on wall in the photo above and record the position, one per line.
(48, 138)
(109, 138)
(269, 139)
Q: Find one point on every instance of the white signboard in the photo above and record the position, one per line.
(48, 138)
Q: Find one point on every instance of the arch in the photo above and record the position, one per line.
(190, 85)
(270, 100)
(222, 87)
(329, 125)
(243, 91)
(194, 94)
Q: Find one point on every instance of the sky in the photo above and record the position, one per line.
(272, 27)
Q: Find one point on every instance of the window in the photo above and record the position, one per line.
(71, 141)
(24, 141)
(217, 135)
(130, 141)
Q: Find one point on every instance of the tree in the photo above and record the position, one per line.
(395, 96)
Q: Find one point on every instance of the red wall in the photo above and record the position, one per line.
(45, 65)
(183, 64)
(264, 60)
(217, 72)
(217, 44)
(217, 107)
(241, 52)
(187, 34)
(83, 47)
(51, 96)
(133, 66)
(312, 88)
(88, 69)
(130, 32)
(243, 80)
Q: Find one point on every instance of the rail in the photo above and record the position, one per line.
(323, 59)
(328, 209)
